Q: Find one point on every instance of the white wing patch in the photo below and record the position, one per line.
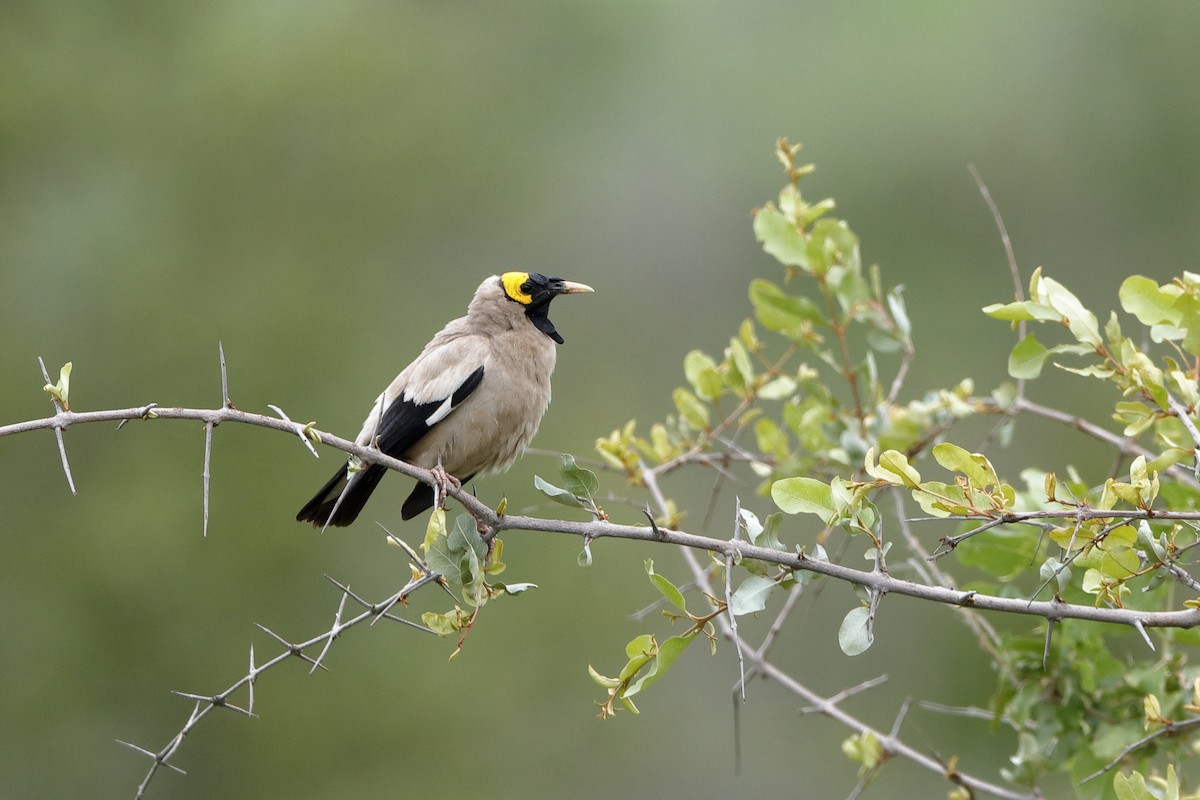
(434, 377)
(371, 425)
(443, 410)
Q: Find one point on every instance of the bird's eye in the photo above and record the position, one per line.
(535, 283)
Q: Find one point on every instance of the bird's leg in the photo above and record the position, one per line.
(444, 482)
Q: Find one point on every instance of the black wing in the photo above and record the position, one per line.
(405, 422)
(402, 426)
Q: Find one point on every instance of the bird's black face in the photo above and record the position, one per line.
(535, 291)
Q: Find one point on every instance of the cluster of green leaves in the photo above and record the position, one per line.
(647, 659)
(802, 380)
(465, 562)
(1081, 710)
(759, 385)
(579, 488)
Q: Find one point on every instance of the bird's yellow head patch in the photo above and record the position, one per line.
(513, 283)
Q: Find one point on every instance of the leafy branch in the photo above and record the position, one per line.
(807, 404)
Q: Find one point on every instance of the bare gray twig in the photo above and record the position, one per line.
(58, 432)
(1173, 729)
(205, 703)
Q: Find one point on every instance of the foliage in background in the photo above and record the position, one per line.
(800, 402)
(828, 438)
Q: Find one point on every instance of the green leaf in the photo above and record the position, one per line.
(516, 588)
(779, 311)
(1027, 358)
(895, 301)
(667, 589)
(639, 651)
(760, 534)
(770, 534)
(691, 409)
(939, 499)
(1131, 787)
(770, 438)
(603, 681)
(1053, 569)
(61, 391)
(894, 468)
(466, 535)
(1080, 321)
(778, 389)
(441, 624)
(1149, 302)
(702, 374)
(803, 496)
(1120, 560)
(751, 524)
(975, 466)
(865, 750)
(780, 238)
(667, 653)
(855, 635)
(556, 493)
(445, 562)
(1001, 552)
(740, 357)
(458, 555)
(1022, 311)
(748, 336)
(434, 529)
(579, 480)
(751, 596)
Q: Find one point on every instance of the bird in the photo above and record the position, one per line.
(468, 404)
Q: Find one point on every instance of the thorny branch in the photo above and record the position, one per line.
(816, 703)
(492, 523)
(205, 703)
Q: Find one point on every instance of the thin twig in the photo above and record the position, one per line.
(844, 694)
(1014, 270)
(206, 474)
(1182, 575)
(948, 543)
(58, 431)
(333, 632)
(973, 712)
(1018, 289)
(299, 430)
(1122, 444)
(737, 641)
(1184, 416)
(785, 611)
(1046, 645)
(1173, 729)
(224, 377)
(985, 634)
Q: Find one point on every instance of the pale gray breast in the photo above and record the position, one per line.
(493, 426)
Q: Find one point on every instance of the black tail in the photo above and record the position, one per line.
(318, 510)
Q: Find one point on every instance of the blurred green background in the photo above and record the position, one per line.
(321, 185)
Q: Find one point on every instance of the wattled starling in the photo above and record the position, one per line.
(470, 402)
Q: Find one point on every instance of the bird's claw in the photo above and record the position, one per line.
(445, 482)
